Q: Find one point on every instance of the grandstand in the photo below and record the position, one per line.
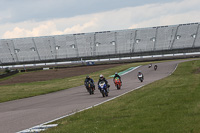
(182, 38)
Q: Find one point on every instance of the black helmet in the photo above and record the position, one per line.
(87, 77)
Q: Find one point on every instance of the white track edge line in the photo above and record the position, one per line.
(174, 69)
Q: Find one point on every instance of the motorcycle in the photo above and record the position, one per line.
(150, 65)
(90, 87)
(140, 77)
(117, 83)
(155, 67)
(103, 88)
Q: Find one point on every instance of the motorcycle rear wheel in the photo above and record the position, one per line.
(117, 86)
(103, 94)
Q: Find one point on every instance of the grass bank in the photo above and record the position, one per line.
(24, 90)
(170, 105)
(2, 71)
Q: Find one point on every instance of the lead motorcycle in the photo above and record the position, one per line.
(103, 88)
(118, 83)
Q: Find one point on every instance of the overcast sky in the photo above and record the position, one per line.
(31, 18)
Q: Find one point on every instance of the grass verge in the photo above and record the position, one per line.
(170, 105)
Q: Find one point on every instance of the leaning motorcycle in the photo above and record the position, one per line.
(140, 77)
(103, 88)
(117, 83)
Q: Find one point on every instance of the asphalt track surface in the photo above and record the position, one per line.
(25, 113)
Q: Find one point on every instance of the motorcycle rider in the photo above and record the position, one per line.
(117, 75)
(101, 78)
(140, 73)
(87, 79)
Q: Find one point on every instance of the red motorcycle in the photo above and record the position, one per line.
(118, 83)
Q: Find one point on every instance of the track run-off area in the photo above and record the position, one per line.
(25, 113)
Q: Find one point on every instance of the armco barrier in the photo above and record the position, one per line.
(8, 74)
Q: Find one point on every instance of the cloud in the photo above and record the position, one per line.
(43, 10)
(80, 28)
(41, 30)
(48, 28)
(167, 14)
(148, 15)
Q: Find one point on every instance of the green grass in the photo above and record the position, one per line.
(24, 90)
(2, 71)
(170, 105)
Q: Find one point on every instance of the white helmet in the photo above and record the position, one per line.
(101, 76)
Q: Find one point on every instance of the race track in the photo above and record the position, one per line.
(25, 113)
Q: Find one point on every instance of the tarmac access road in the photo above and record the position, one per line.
(25, 113)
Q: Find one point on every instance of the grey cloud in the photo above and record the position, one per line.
(39, 10)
